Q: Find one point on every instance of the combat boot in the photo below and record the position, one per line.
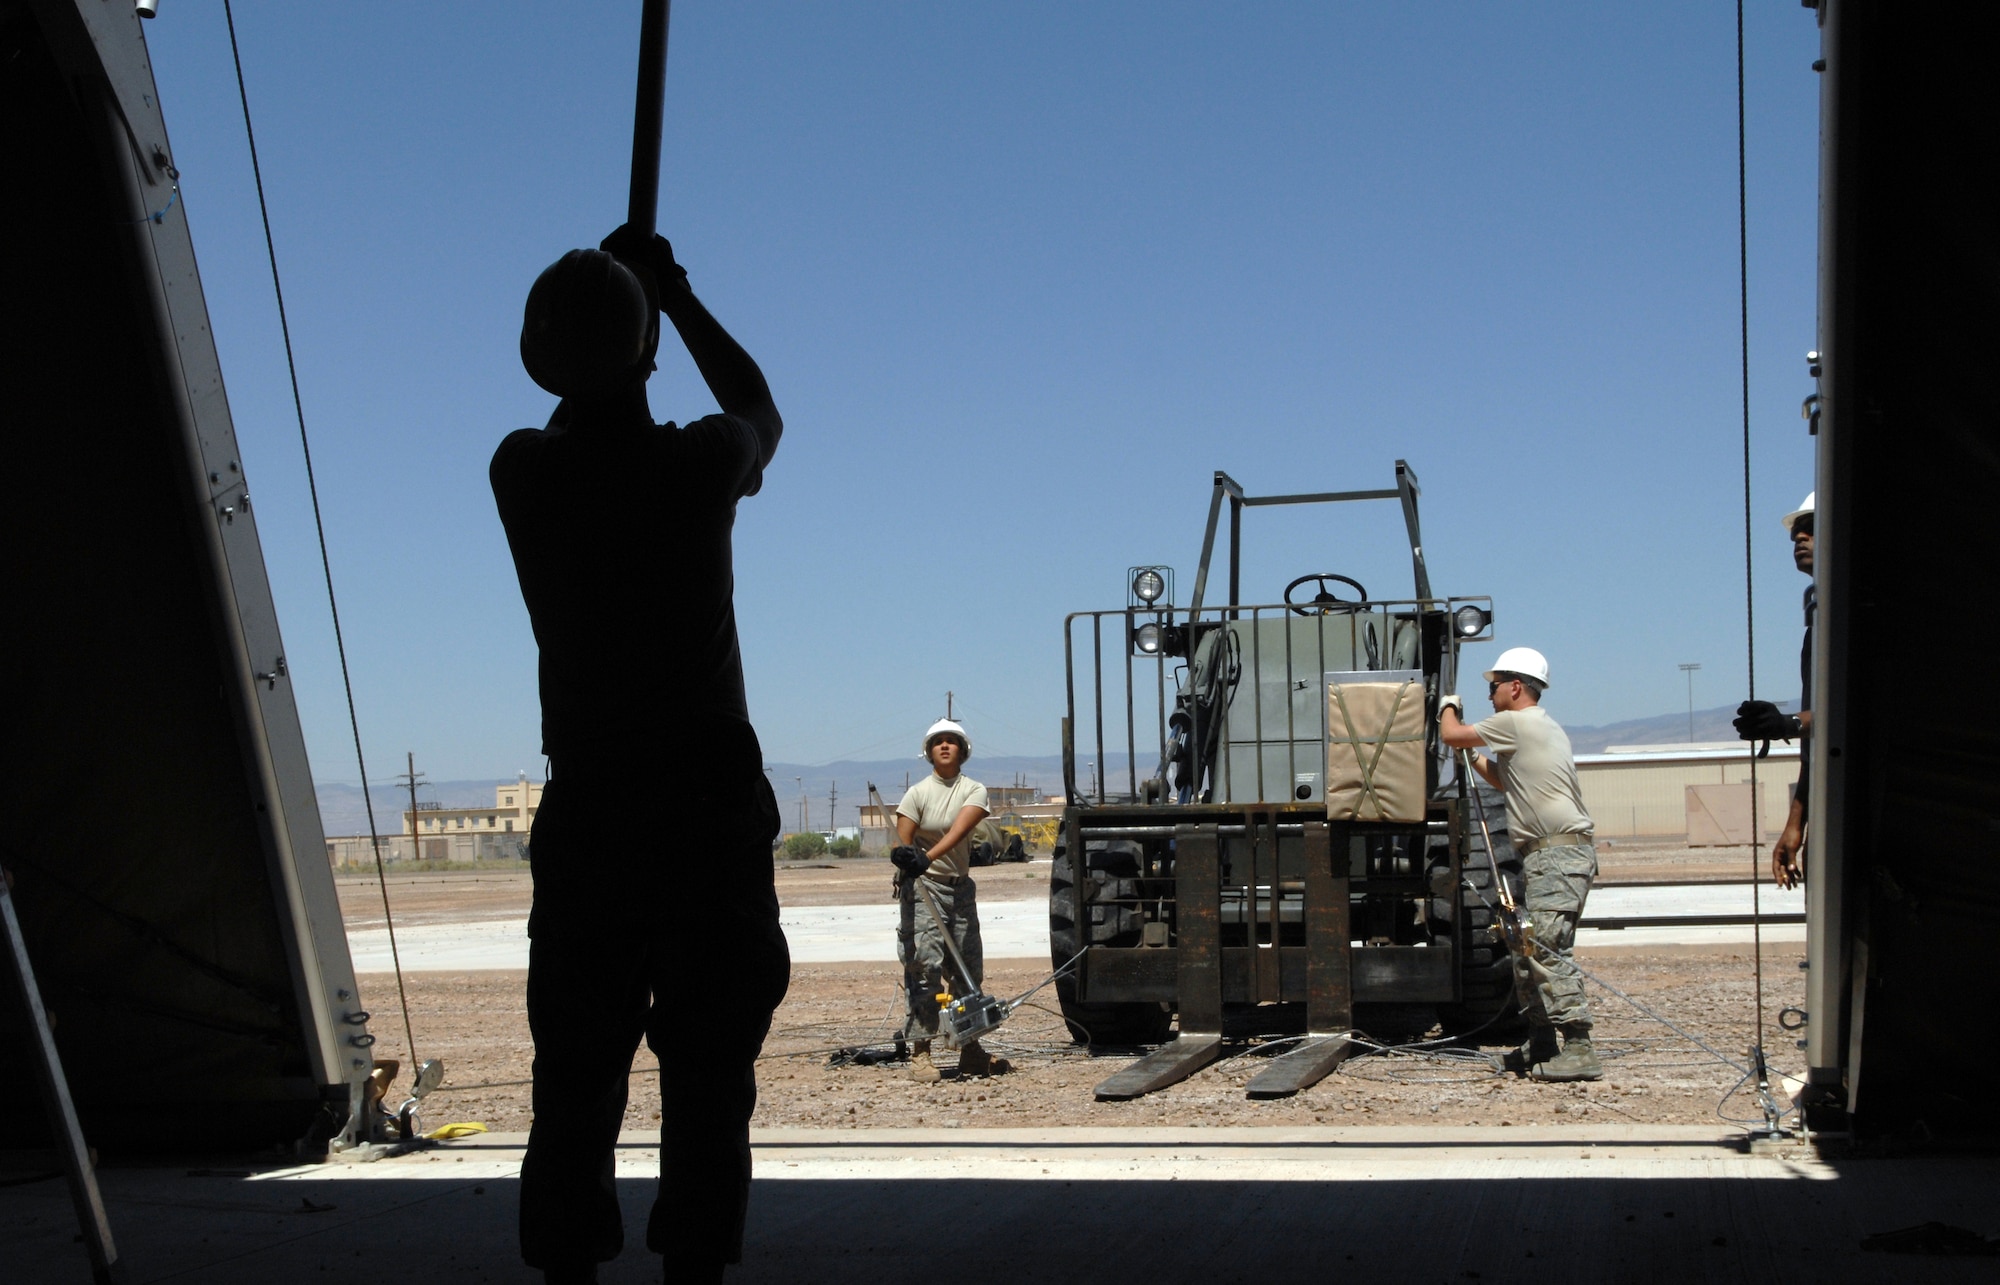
(922, 1070)
(1577, 1061)
(976, 1061)
(1541, 1046)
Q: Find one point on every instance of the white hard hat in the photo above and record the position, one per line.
(1525, 661)
(945, 727)
(1805, 507)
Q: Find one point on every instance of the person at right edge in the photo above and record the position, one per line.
(1763, 721)
(1533, 765)
(620, 530)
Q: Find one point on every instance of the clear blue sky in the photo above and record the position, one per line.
(1021, 276)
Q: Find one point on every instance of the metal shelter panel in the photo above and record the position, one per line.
(1903, 873)
(171, 871)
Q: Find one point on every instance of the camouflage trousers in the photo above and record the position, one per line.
(1548, 985)
(927, 965)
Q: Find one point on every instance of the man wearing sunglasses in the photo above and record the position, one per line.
(1763, 721)
(1532, 763)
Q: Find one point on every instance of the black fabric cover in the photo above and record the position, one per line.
(141, 876)
(1911, 308)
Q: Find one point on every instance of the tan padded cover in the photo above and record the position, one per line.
(1375, 752)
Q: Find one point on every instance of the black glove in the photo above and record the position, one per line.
(1763, 721)
(643, 254)
(909, 860)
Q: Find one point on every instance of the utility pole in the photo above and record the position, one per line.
(802, 803)
(832, 797)
(1689, 669)
(410, 779)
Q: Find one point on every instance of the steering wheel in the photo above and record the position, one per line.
(1325, 600)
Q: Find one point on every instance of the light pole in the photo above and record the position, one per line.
(1689, 669)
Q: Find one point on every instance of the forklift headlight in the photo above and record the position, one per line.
(1148, 585)
(1470, 621)
(1157, 638)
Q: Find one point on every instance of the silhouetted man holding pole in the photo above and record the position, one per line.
(620, 531)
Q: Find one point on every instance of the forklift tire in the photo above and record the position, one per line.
(1123, 1024)
(1487, 1005)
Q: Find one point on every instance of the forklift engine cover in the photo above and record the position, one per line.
(1375, 747)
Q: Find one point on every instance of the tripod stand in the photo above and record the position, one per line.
(105, 1265)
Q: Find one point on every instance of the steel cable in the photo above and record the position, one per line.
(1761, 1070)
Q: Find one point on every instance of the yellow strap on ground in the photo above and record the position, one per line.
(465, 1129)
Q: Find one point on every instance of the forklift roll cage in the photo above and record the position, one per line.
(1407, 490)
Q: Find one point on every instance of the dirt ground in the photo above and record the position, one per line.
(1653, 1075)
(475, 1022)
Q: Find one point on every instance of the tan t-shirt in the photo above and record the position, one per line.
(1538, 772)
(934, 803)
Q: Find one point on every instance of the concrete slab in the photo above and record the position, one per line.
(1594, 1203)
(1588, 939)
(1020, 930)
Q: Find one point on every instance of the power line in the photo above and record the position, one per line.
(1749, 576)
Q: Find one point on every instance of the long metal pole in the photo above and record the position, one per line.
(1512, 930)
(648, 114)
(938, 918)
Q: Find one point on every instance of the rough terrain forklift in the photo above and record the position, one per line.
(1294, 850)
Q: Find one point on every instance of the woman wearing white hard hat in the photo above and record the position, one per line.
(934, 825)
(1532, 763)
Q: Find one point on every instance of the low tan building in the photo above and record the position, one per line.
(1676, 791)
(357, 851)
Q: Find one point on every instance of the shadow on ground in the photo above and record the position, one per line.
(435, 1222)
